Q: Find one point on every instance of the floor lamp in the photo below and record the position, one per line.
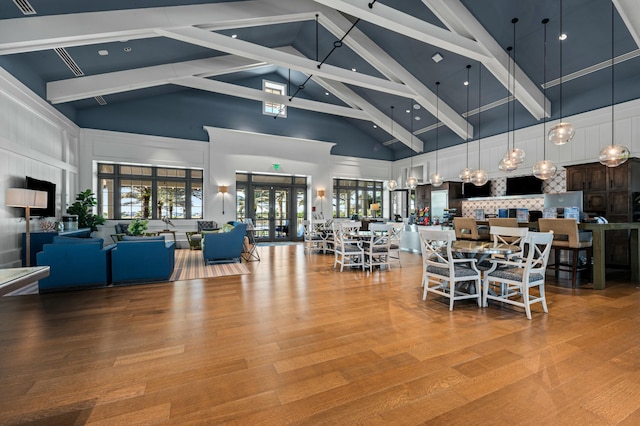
(26, 198)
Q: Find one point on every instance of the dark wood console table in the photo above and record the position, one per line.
(598, 230)
(40, 238)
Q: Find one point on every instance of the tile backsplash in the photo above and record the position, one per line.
(498, 189)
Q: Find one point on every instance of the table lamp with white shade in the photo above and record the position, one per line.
(27, 199)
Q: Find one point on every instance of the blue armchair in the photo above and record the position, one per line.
(224, 246)
(142, 260)
(75, 263)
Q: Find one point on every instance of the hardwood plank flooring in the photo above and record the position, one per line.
(297, 342)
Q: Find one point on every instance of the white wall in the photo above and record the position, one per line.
(593, 132)
(104, 146)
(36, 141)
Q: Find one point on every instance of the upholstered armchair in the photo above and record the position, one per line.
(195, 237)
(224, 246)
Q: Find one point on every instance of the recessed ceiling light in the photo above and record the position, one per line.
(408, 111)
(416, 106)
(417, 118)
(466, 83)
(375, 126)
(437, 58)
(127, 49)
(103, 52)
(563, 36)
(326, 93)
(234, 35)
(353, 69)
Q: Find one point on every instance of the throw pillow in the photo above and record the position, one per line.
(227, 227)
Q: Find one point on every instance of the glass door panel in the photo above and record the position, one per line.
(272, 212)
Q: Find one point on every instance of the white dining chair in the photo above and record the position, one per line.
(377, 247)
(519, 277)
(397, 228)
(443, 273)
(312, 240)
(347, 251)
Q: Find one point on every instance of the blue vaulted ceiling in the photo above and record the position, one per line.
(139, 39)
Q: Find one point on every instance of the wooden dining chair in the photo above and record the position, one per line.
(443, 273)
(566, 237)
(510, 222)
(515, 279)
(467, 229)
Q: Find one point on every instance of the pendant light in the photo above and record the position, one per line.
(411, 181)
(545, 169)
(480, 176)
(562, 132)
(613, 155)
(436, 178)
(506, 164)
(392, 184)
(516, 155)
(465, 174)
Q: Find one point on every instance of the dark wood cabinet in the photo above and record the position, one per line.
(609, 192)
(40, 238)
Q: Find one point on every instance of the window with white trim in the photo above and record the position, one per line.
(274, 108)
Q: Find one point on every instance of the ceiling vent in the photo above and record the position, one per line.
(25, 7)
(67, 59)
(100, 100)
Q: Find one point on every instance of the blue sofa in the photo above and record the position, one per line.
(224, 246)
(75, 263)
(142, 259)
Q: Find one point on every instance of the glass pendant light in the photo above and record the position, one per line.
(392, 184)
(545, 169)
(613, 155)
(507, 164)
(479, 177)
(465, 174)
(562, 132)
(516, 155)
(411, 181)
(436, 178)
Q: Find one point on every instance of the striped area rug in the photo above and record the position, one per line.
(190, 265)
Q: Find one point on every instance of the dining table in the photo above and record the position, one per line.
(481, 250)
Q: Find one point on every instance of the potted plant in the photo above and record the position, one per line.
(83, 208)
(138, 226)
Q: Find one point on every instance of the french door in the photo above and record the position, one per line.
(272, 206)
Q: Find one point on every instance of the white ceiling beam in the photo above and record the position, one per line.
(46, 32)
(77, 88)
(349, 97)
(458, 19)
(629, 10)
(260, 53)
(409, 26)
(259, 95)
(383, 62)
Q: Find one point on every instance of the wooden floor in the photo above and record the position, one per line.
(298, 343)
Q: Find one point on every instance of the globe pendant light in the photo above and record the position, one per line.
(516, 155)
(392, 184)
(545, 169)
(614, 154)
(480, 176)
(465, 174)
(562, 132)
(506, 163)
(436, 178)
(411, 181)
